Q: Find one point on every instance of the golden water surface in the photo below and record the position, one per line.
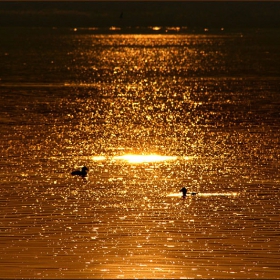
(147, 115)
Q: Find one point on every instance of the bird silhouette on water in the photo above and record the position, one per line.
(83, 172)
(184, 190)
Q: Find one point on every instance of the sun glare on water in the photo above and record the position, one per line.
(144, 158)
(98, 158)
(138, 158)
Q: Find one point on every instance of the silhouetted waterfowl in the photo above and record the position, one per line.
(185, 192)
(82, 173)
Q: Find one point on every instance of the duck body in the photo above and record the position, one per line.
(185, 192)
(82, 172)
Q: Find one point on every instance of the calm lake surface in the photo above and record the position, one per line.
(147, 114)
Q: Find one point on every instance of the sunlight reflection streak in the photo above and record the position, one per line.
(132, 158)
(144, 158)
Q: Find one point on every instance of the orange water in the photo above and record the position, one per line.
(148, 115)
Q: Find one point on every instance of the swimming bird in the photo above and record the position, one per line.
(184, 190)
(82, 173)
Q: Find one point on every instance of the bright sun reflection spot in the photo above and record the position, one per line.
(188, 157)
(98, 158)
(155, 28)
(144, 158)
(132, 158)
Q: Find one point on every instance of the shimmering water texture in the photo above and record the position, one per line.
(147, 115)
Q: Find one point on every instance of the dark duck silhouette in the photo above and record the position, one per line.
(82, 172)
(185, 192)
